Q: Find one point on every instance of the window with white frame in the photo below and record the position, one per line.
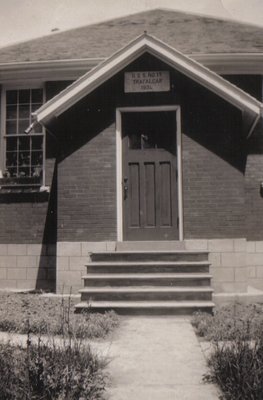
(24, 152)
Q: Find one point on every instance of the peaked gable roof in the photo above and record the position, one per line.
(146, 43)
(189, 33)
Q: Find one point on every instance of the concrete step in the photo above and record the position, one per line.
(148, 266)
(149, 279)
(139, 293)
(146, 281)
(147, 307)
(169, 245)
(149, 256)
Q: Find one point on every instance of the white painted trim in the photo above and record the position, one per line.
(145, 43)
(55, 70)
(119, 176)
(2, 127)
(71, 69)
(119, 181)
(179, 173)
(21, 85)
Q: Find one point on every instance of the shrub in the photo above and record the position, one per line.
(230, 321)
(236, 360)
(68, 371)
(237, 367)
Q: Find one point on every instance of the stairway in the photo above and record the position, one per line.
(147, 282)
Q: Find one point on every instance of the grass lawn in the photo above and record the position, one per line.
(51, 315)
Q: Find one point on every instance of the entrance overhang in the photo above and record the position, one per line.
(147, 44)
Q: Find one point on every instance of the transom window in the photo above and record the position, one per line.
(24, 152)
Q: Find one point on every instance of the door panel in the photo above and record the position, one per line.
(149, 176)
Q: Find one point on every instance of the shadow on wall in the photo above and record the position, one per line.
(46, 276)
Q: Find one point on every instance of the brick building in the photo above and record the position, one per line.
(138, 135)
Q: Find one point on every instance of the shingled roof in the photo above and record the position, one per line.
(189, 33)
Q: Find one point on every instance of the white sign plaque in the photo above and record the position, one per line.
(147, 81)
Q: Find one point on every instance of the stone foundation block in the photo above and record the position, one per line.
(17, 249)
(78, 263)
(259, 247)
(233, 259)
(3, 249)
(252, 272)
(241, 274)
(196, 244)
(222, 274)
(27, 262)
(8, 262)
(69, 249)
(16, 273)
(63, 263)
(240, 245)
(251, 247)
(215, 259)
(3, 273)
(221, 245)
(255, 259)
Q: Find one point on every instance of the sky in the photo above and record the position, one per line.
(21, 20)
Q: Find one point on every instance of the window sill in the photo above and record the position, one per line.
(34, 182)
(23, 190)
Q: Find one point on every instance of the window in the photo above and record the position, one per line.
(24, 153)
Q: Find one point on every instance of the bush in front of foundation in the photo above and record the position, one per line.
(50, 371)
(228, 321)
(52, 315)
(236, 358)
(237, 368)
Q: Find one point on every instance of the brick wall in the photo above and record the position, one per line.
(28, 217)
(87, 190)
(213, 194)
(213, 167)
(253, 179)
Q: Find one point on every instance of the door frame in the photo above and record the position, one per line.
(119, 112)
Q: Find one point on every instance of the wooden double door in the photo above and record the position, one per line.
(149, 182)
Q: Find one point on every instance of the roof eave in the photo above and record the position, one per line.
(71, 69)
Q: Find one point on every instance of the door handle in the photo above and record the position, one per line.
(125, 188)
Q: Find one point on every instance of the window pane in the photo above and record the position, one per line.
(36, 158)
(11, 96)
(11, 144)
(38, 128)
(24, 111)
(11, 112)
(36, 106)
(11, 159)
(12, 171)
(24, 158)
(23, 125)
(134, 141)
(37, 96)
(11, 127)
(23, 172)
(37, 142)
(24, 96)
(24, 143)
(24, 153)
